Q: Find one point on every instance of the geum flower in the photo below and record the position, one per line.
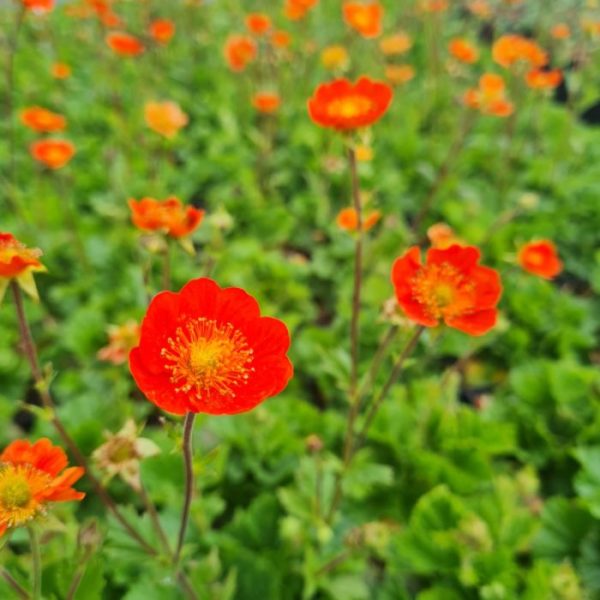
(344, 105)
(19, 263)
(512, 50)
(31, 477)
(124, 44)
(266, 102)
(490, 97)
(42, 120)
(121, 340)
(208, 349)
(347, 219)
(364, 18)
(52, 153)
(540, 258)
(239, 51)
(463, 51)
(540, 79)
(450, 287)
(162, 30)
(258, 23)
(165, 118)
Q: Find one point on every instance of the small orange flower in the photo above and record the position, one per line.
(53, 153)
(42, 120)
(266, 102)
(490, 96)
(281, 39)
(396, 44)
(165, 118)
(347, 219)
(560, 31)
(509, 50)
(544, 80)
(480, 8)
(111, 20)
(442, 235)
(364, 18)
(60, 70)
(433, 6)
(38, 5)
(124, 44)
(463, 50)
(19, 263)
(297, 9)
(162, 30)
(450, 287)
(239, 51)
(399, 74)
(121, 339)
(167, 215)
(32, 476)
(258, 23)
(540, 258)
(344, 105)
(334, 58)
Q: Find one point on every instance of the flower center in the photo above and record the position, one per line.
(19, 485)
(14, 492)
(350, 107)
(206, 357)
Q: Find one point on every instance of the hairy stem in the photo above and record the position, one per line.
(14, 584)
(36, 564)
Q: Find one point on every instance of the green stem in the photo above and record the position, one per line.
(14, 584)
(36, 564)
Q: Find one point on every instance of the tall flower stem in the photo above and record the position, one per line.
(42, 386)
(36, 564)
(188, 427)
(154, 517)
(14, 584)
(166, 271)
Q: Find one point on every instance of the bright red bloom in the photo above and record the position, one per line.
(53, 153)
(30, 478)
(207, 349)
(162, 30)
(124, 44)
(364, 18)
(239, 51)
(167, 215)
(450, 287)
(258, 23)
(344, 105)
(42, 120)
(540, 258)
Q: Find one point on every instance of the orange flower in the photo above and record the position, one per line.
(480, 8)
(344, 105)
(442, 235)
(450, 287)
(334, 58)
(124, 44)
(364, 18)
(396, 44)
(167, 215)
(32, 476)
(281, 39)
(165, 118)
(239, 51)
(266, 102)
(433, 6)
(347, 219)
(490, 97)
(53, 153)
(399, 74)
(111, 20)
(512, 49)
(162, 30)
(539, 79)
(60, 71)
(42, 120)
(297, 9)
(121, 339)
(19, 263)
(540, 258)
(38, 5)
(561, 31)
(463, 51)
(258, 23)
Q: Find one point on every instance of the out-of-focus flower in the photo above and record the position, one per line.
(442, 236)
(111, 20)
(266, 102)
(169, 216)
(60, 70)
(165, 118)
(399, 74)
(560, 31)
(19, 263)
(463, 50)
(258, 23)
(539, 79)
(400, 43)
(39, 6)
(490, 97)
(347, 219)
(480, 8)
(334, 58)
(124, 44)
(122, 453)
(344, 105)
(297, 9)
(31, 477)
(433, 6)
(281, 39)
(364, 18)
(207, 349)
(363, 153)
(512, 49)
(162, 30)
(121, 339)
(42, 120)
(451, 287)
(53, 153)
(540, 258)
(239, 51)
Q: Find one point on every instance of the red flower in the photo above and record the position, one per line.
(343, 105)
(540, 258)
(53, 153)
(239, 51)
(162, 30)
(167, 215)
(258, 23)
(207, 349)
(266, 102)
(450, 286)
(39, 5)
(30, 478)
(124, 44)
(42, 120)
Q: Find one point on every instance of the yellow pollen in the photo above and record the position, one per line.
(350, 107)
(15, 493)
(17, 501)
(206, 358)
